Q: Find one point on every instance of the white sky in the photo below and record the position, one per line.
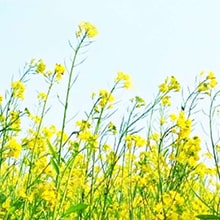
(149, 39)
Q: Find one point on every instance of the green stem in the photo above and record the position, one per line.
(70, 81)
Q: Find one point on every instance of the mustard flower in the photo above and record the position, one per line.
(184, 125)
(59, 70)
(125, 78)
(166, 101)
(83, 125)
(105, 98)
(7, 204)
(202, 72)
(170, 84)
(173, 117)
(49, 132)
(209, 83)
(203, 87)
(49, 194)
(14, 148)
(41, 66)
(18, 89)
(89, 29)
(42, 96)
(135, 140)
(162, 120)
(174, 84)
(85, 135)
(163, 88)
(1, 99)
(15, 120)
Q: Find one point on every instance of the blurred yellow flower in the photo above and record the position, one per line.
(41, 66)
(59, 70)
(1, 99)
(90, 30)
(18, 89)
(14, 148)
(125, 78)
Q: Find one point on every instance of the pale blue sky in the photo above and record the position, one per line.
(148, 39)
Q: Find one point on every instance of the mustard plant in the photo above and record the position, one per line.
(148, 161)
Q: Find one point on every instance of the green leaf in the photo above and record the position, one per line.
(54, 164)
(54, 158)
(76, 208)
(2, 198)
(207, 217)
(18, 203)
(52, 151)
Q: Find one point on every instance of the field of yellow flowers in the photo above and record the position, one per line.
(149, 165)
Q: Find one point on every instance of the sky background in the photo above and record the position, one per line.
(149, 39)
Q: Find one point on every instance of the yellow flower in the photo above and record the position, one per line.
(209, 83)
(1, 99)
(42, 96)
(49, 194)
(213, 82)
(59, 70)
(163, 88)
(83, 125)
(211, 75)
(121, 76)
(155, 136)
(166, 101)
(169, 84)
(106, 97)
(85, 135)
(162, 121)
(137, 140)
(201, 72)
(18, 89)
(6, 205)
(41, 66)
(15, 120)
(14, 148)
(203, 87)
(174, 84)
(89, 29)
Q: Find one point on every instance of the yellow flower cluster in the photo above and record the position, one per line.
(1, 99)
(124, 78)
(106, 98)
(13, 148)
(209, 82)
(40, 66)
(48, 193)
(172, 200)
(183, 124)
(86, 135)
(187, 151)
(170, 84)
(135, 140)
(59, 71)
(15, 121)
(42, 96)
(166, 101)
(18, 88)
(89, 29)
